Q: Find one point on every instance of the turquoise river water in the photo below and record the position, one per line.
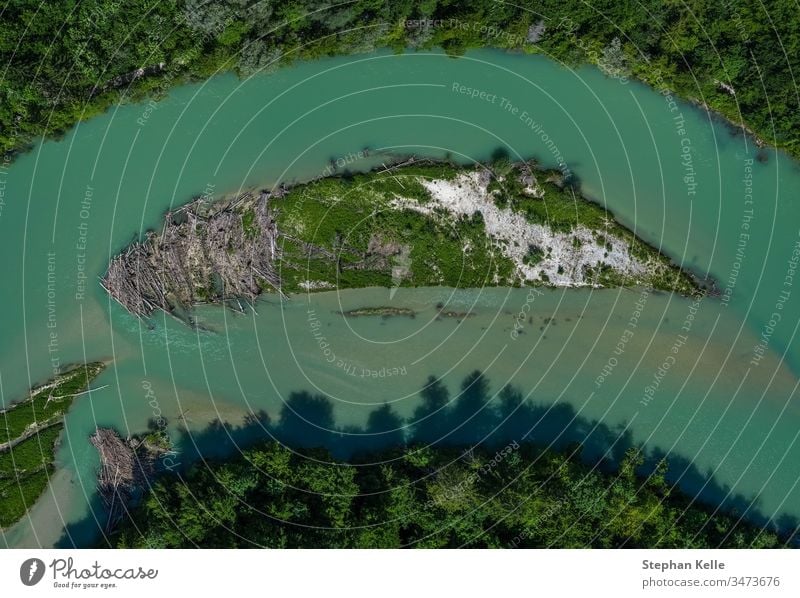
(712, 384)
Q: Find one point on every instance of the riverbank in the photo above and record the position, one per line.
(749, 83)
(420, 223)
(429, 497)
(29, 434)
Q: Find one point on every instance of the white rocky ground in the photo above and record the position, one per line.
(468, 193)
(316, 285)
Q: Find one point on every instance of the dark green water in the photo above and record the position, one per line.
(71, 204)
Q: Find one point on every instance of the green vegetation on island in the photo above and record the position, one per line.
(351, 232)
(29, 432)
(380, 229)
(67, 61)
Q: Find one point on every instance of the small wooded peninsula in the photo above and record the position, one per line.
(29, 434)
(417, 223)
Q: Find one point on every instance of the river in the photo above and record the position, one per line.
(712, 384)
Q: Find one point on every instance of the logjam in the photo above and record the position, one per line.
(126, 469)
(206, 252)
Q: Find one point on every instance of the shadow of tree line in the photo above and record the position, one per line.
(474, 416)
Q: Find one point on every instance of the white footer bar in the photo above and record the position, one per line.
(400, 574)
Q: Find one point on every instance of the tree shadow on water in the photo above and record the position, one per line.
(475, 415)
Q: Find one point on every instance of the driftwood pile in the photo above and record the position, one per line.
(126, 468)
(206, 252)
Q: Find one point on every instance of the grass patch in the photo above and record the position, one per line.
(29, 455)
(25, 467)
(19, 494)
(249, 226)
(24, 473)
(45, 404)
(332, 227)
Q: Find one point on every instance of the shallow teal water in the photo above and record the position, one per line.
(71, 204)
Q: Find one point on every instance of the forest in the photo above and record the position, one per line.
(482, 468)
(65, 61)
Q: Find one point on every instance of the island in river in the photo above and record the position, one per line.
(418, 223)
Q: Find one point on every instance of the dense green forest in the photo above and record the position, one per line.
(65, 61)
(515, 496)
(464, 471)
